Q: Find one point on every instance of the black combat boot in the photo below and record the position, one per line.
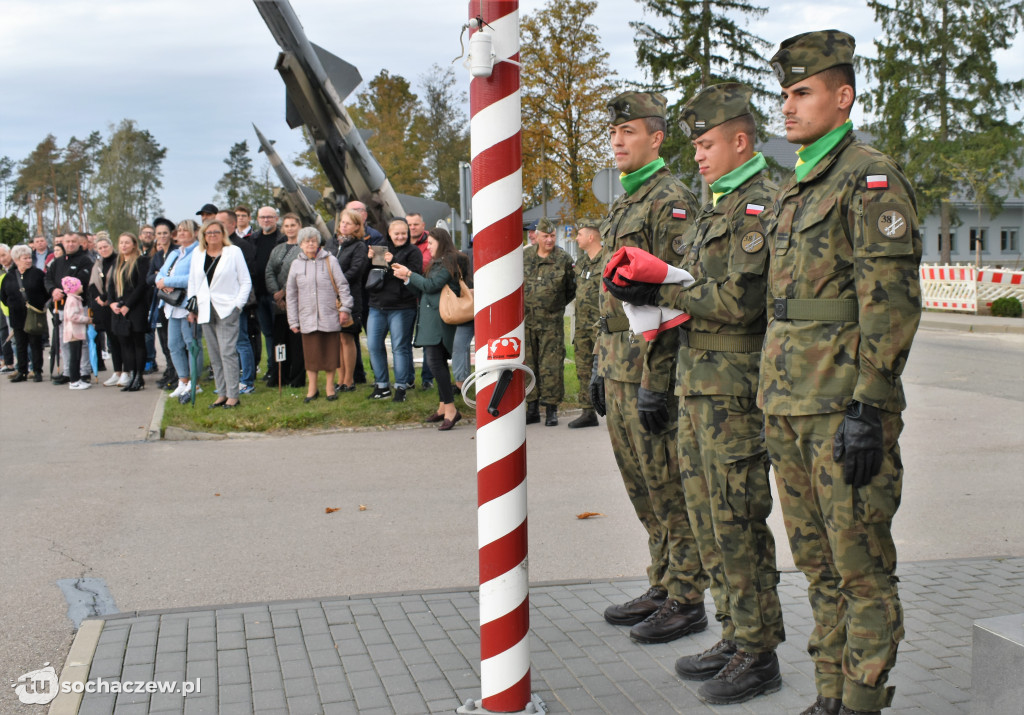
(588, 418)
(532, 413)
(632, 612)
(847, 711)
(824, 706)
(550, 415)
(746, 676)
(673, 620)
(706, 665)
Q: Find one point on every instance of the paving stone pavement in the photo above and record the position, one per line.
(419, 652)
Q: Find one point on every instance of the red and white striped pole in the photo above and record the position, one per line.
(495, 135)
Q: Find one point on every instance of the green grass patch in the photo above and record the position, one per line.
(267, 411)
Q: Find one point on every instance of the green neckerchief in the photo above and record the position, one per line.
(809, 156)
(632, 182)
(737, 177)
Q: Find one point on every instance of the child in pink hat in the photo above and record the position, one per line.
(76, 318)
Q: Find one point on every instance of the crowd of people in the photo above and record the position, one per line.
(102, 303)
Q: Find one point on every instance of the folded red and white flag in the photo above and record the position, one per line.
(635, 264)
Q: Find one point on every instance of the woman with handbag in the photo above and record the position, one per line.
(24, 293)
(319, 302)
(172, 284)
(350, 250)
(433, 334)
(129, 308)
(220, 283)
(392, 310)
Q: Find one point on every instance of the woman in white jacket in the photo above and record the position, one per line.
(219, 280)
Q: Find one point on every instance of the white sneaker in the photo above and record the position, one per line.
(124, 380)
(80, 385)
(180, 390)
(105, 354)
(112, 380)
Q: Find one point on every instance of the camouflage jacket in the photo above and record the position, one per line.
(652, 218)
(726, 253)
(847, 232)
(549, 283)
(588, 292)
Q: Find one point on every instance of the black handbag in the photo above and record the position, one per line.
(176, 297)
(35, 319)
(375, 279)
(192, 306)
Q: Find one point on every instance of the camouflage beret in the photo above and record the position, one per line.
(714, 105)
(591, 223)
(810, 53)
(546, 225)
(636, 105)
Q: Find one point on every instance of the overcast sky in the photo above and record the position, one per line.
(198, 73)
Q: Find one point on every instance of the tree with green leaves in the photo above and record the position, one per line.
(13, 230)
(127, 179)
(233, 186)
(77, 171)
(696, 43)
(6, 182)
(36, 186)
(936, 82)
(390, 110)
(566, 84)
(445, 133)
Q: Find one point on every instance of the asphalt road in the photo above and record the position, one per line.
(184, 524)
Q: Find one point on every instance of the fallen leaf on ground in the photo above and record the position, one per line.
(362, 507)
(330, 510)
(588, 514)
(216, 494)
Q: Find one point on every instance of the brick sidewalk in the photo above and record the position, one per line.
(419, 652)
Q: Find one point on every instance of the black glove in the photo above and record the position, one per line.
(597, 391)
(858, 444)
(636, 293)
(653, 408)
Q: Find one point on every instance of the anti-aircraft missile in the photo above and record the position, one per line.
(316, 82)
(296, 197)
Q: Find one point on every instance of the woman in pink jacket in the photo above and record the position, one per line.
(319, 302)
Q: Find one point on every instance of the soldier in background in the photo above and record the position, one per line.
(721, 453)
(549, 285)
(845, 302)
(632, 380)
(588, 286)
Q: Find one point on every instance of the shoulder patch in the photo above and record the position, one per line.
(679, 245)
(752, 242)
(878, 181)
(754, 209)
(679, 213)
(892, 224)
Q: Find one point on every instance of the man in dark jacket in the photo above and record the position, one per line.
(264, 241)
(77, 263)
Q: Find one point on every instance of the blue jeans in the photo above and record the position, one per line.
(179, 335)
(460, 351)
(246, 357)
(400, 324)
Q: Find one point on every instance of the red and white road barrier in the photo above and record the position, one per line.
(964, 288)
(495, 134)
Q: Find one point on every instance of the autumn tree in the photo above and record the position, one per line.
(693, 44)
(936, 82)
(127, 179)
(566, 84)
(390, 111)
(444, 133)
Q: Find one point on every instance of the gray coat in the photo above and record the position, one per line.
(310, 293)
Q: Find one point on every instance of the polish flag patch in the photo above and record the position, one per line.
(878, 181)
(679, 213)
(754, 209)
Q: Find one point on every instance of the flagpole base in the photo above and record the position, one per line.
(475, 707)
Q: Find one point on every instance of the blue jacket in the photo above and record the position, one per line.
(179, 263)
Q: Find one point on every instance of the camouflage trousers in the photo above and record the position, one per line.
(583, 346)
(544, 345)
(728, 497)
(649, 467)
(842, 541)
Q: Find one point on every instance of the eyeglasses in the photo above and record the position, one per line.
(264, 218)
(214, 233)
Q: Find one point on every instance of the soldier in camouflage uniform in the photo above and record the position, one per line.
(844, 304)
(632, 380)
(721, 453)
(588, 285)
(549, 285)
